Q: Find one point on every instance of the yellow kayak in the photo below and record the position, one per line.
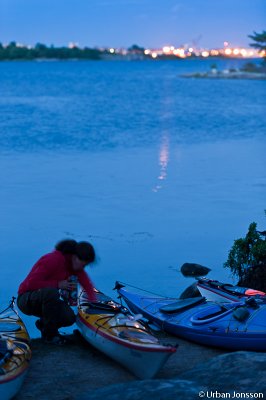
(15, 352)
(113, 330)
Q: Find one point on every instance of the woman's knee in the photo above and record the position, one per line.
(22, 303)
(67, 317)
(49, 294)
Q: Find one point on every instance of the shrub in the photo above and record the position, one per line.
(247, 259)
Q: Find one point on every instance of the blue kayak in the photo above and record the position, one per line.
(234, 326)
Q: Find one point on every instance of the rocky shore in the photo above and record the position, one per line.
(79, 371)
(227, 74)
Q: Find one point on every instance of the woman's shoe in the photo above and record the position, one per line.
(57, 340)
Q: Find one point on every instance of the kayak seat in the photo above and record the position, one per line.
(182, 305)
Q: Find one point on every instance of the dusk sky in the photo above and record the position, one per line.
(121, 23)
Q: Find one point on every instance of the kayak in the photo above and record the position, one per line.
(217, 291)
(15, 352)
(112, 329)
(234, 326)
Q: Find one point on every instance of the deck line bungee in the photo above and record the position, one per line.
(122, 284)
(116, 339)
(11, 305)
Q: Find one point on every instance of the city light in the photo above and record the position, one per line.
(182, 51)
(186, 51)
(166, 50)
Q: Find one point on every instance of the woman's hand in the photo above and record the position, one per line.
(66, 285)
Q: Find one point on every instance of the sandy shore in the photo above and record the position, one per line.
(63, 373)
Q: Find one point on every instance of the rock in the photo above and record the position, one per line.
(192, 270)
(236, 372)
(67, 372)
(241, 371)
(190, 291)
(79, 371)
(226, 74)
(148, 390)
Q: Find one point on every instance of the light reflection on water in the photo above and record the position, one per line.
(164, 155)
(97, 106)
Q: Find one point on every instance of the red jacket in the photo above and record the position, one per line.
(52, 268)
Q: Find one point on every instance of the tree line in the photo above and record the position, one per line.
(14, 52)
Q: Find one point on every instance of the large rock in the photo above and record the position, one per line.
(241, 371)
(193, 270)
(231, 373)
(148, 390)
(190, 291)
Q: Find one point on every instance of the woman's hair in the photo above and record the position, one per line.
(66, 246)
(83, 250)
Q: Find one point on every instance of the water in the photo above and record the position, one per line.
(154, 169)
(101, 105)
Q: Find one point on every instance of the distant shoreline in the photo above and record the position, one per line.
(225, 74)
(118, 57)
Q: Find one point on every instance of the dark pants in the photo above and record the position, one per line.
(46, 304)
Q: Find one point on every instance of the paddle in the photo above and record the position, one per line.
(194, 270)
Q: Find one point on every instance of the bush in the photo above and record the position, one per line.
(249, 67)
(247, 259)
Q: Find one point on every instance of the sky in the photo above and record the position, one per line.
(122, 23)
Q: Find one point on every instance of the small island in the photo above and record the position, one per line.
(249, 71)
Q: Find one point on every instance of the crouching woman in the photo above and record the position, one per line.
(39, 293)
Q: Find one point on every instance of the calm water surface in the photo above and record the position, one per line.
(154, 169)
